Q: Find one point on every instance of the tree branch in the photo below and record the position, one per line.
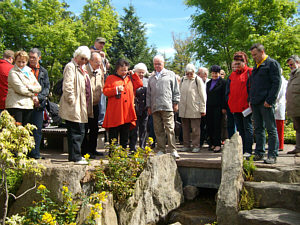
(25, 192)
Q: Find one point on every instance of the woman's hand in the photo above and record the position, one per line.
(120, 88)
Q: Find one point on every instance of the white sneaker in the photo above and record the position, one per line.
(175, 154)
(196, 150)
(81, 162)
(160, 153)
(246, 155)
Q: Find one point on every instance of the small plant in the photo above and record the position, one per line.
(247, 201)
(96, 199)
(46, 211)
(15, 143)
(249, 168)
(123, 168)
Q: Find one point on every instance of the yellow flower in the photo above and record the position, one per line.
(86, 156)
(72, 223)
(65, 189)
(102, 196)
(150, 139)
(47, 218)
(41, 188)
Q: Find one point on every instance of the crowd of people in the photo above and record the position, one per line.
(133, 104)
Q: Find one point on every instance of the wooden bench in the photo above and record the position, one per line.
(57, 137)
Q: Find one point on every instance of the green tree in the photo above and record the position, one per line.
(131, 41)
(183, 54)
(225, 26)
(99, 20)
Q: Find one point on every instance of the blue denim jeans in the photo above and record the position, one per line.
(37, 120)
(264, 118)
(244, 127)
(102, 109)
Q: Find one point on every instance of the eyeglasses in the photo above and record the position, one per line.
(189, 74)
(84, 59)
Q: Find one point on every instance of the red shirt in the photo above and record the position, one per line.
(237, 98)
(5, 67)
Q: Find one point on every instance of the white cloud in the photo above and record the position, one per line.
(169, 51)
(149, 27)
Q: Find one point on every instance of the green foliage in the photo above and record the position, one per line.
(183, 54)
(99, 20)
(131, 42)
(289, 132)
(57, 32)
(15, 143)
(225, 26)
(46, 211)
(249, 167)
(120, 174)
(247, 201)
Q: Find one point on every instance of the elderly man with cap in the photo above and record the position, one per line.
(98, 47)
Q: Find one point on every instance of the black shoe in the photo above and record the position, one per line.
(270, 160)
(258, 157)
(99, 153)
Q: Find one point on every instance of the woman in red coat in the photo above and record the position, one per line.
(120, 113)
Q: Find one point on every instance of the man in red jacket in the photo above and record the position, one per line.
(5, 67)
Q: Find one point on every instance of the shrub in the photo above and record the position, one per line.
(120, 174)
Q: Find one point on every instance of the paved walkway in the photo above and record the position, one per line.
(203, 159)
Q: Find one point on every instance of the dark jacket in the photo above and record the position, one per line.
(43, 80)
(265, 82)
(140, 102)
(216, 97)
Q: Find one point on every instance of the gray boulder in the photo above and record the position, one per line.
(190, 192)
(158, 191)
(54, 177)
(231, 182)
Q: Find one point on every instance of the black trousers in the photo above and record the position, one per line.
(75, 133)
(214, 117)
(22, 116)
(89, 144)
(123, 130)
(203, 130)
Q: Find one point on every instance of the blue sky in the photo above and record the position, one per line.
(162, 17)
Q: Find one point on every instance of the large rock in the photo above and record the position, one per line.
(190, 192)
(231, 182)
(276, 195)
(280, 174)
(158, 191)
(54, 178)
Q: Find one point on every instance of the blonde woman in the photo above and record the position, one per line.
(22, 89)
(192, 106)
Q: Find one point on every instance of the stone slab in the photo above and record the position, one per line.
(269, 216)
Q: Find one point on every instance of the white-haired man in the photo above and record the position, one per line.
(89, 145)
(162, 101)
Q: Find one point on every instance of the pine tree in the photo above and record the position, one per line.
(131, 41)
